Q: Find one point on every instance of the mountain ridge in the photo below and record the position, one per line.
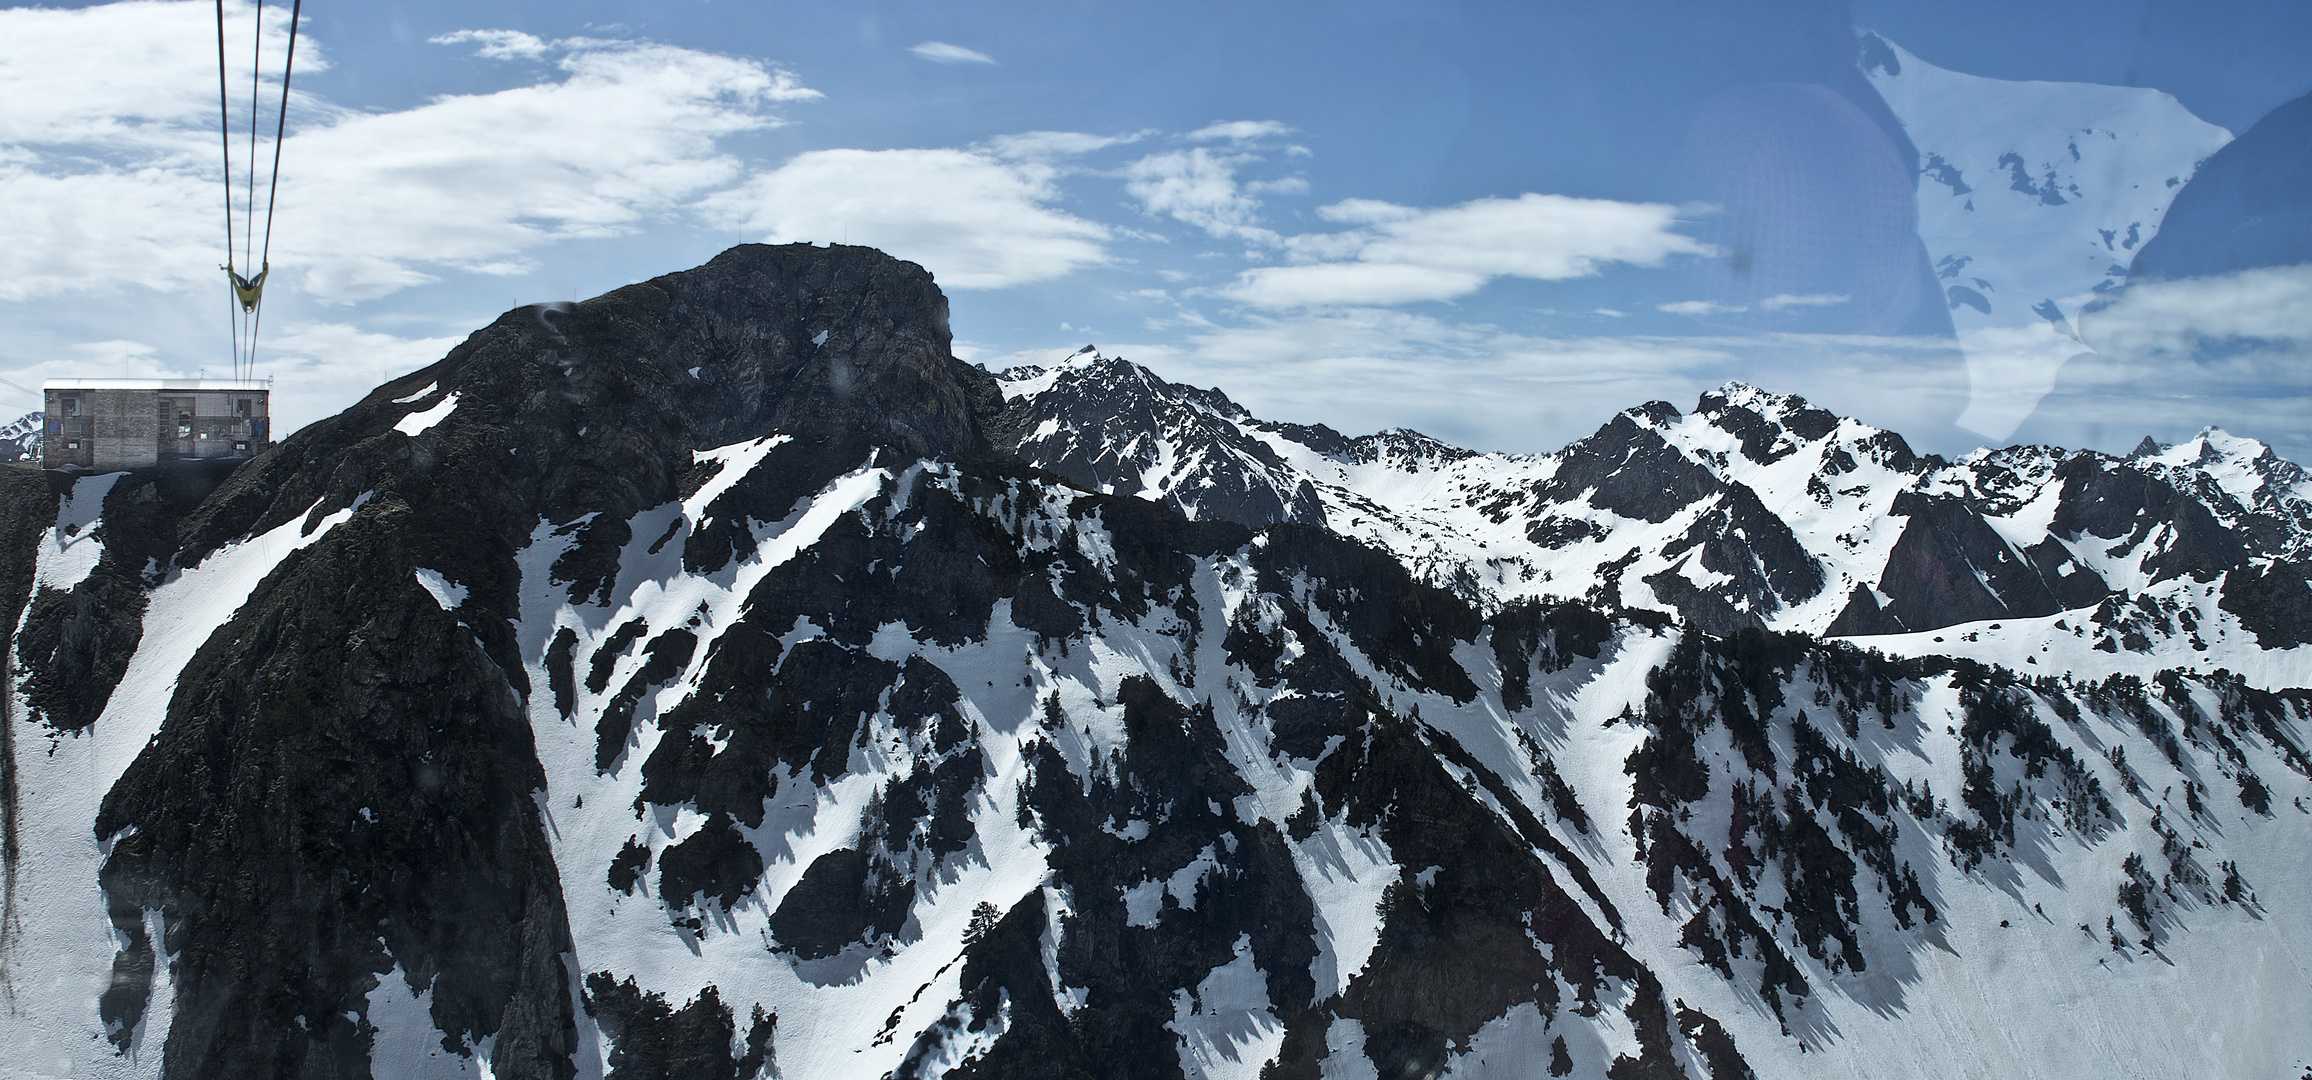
(1873, 539)
(694, 682)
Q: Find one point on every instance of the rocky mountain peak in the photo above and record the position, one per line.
(20, 438)
(716, 678)
(599, 406)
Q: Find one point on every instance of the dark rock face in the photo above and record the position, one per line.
(288, 820)
(2114, 502)
(1764, 563)
(83, 637)
(1110, 425)
(1627, 468)
(1949, 567)
(2273, 602)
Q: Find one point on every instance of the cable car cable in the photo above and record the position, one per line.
(248, 293)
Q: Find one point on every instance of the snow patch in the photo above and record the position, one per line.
(406, 1043)
(447, 593)
(418, 422)
(70, 549)
(1227, 1029)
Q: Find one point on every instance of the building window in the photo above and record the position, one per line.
(243, 407)
(241, 447)
(70, 405)
(72, 445)
(184, 431)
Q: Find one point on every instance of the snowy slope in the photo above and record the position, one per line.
(2033, 199)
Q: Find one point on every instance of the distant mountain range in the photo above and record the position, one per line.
(1755, 510)
(717, 678)
(20, 438)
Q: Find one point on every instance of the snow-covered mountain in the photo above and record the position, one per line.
(2034, 198)
(1752, 510)
(720, 679)
(20, 438)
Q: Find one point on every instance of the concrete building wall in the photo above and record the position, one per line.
(127, 425)
(126, 428)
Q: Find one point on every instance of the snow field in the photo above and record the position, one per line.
(1915, 1003)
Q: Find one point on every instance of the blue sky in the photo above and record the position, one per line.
(1497, 223)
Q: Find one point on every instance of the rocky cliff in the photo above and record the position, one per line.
(717, 678)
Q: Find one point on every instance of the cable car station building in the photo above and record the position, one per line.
(109, 424)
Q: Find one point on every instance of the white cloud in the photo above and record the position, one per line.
(69, 231)
(497, 44)
(118, 185)
(975, 221)
(1537, 236)
(1785, 301)
(1200, 187)
(2272, 304)
(1406, 255)
(473, 182)
(2163, 358)
(1777, 302)
(1357, 283)
(1239, 131)
(2259, 318)
(2009, 368)
(320, 368)
(940, 52)
(1366, 212)
(1364, 369)
(1046, 145)
(150, 89)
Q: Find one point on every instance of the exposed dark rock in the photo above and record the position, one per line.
(1628, 468)
(1743, 541)
(840, 901)
(1948, 567)
(27, 508)
(344, 785)
(2273, 602)
(651, 1040)
(1109, 425)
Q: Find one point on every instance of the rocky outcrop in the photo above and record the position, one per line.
(694, 678)
(288, 820)
(1109, 425)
